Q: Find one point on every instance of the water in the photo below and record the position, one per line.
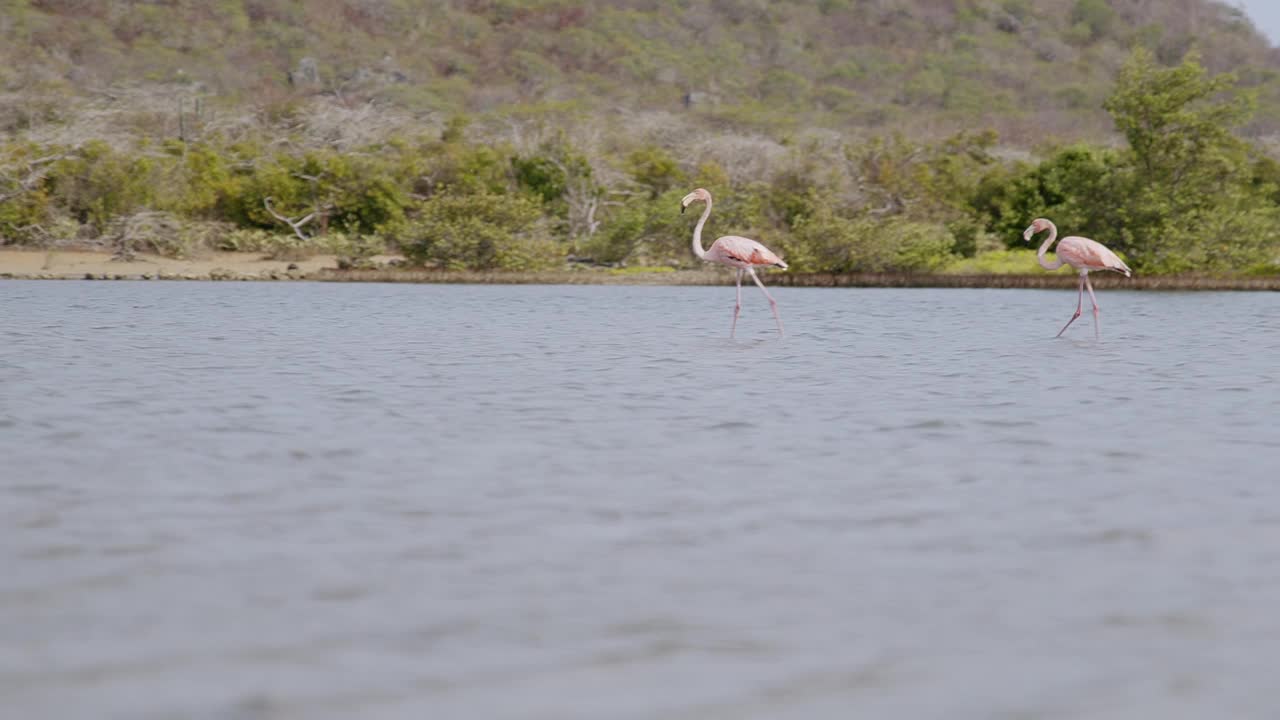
(242, 501)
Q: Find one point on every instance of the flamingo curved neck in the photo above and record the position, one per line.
(697, 232)
(1044, 248)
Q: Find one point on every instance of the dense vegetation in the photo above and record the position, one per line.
(839, 133)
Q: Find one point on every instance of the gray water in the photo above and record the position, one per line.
(241, 501)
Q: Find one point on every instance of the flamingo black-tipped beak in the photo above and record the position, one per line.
(682, 209)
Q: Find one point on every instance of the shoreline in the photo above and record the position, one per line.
(25, 264)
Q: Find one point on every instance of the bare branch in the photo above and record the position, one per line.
(36, 170)
(296, 225)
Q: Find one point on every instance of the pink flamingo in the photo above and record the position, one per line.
(741, 253)
(1082, 254)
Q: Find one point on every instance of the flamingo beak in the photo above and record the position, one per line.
(682, 208)
(1026, 234)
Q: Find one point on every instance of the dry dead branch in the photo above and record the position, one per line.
(34, 173)
(295, 225)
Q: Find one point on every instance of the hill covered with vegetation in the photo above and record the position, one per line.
(848, 134)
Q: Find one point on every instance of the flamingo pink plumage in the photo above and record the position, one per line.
(1082, 254)
(743, 254)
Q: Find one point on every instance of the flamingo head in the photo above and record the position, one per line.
(1037, 225)
(699, 194)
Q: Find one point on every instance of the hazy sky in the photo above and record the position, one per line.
(1266, 15)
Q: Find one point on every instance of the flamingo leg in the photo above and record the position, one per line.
(773, 304)
(737, 306)
(1093, 299)
(1079, 304)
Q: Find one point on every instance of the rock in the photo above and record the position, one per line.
(292, 266)
(89, 276)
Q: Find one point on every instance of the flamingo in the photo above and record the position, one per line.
(1080, 253)
(743, 254)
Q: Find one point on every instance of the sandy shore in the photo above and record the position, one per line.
(92, 265)
(85, 264)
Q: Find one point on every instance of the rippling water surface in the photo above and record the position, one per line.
(242, 501)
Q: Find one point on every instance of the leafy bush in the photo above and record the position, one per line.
(1184, 193)
(354, 251)
(480, 232)
(1095, 16)
(655, 170)
(826, 242)
(99, 183)
(1074, 187)
(1000, 262)
(646, 231)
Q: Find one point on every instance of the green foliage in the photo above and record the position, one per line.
(1000, 262)
(1095, 16)
(645, 230)
(99, 183)
(354, 251)
(1173, 117)
(1074, 187)
(542, 176)
(826, 242)
(25, 202)
(1184, 195)
(1190, 197)
(480, 232)
(1185, 192)
(655, 170)
(929, 183)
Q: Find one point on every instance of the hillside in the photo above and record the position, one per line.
(1029, 69)
(850, 135)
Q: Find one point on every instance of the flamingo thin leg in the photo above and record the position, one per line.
(737, 306)
(1093, 299)
(772, 303)
(1079, 304)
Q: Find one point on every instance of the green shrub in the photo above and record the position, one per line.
(480, 232)
(654, 169)
(245, 240)
(826, 242)
(1095, 16)
(999, 262)
(353, 251)
(99, 184)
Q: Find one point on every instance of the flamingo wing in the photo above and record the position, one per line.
(1090, 255)
(745, 252)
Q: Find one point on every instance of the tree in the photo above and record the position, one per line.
(1189, 193)
(1179, 121)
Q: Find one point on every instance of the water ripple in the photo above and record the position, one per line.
(302, 501)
